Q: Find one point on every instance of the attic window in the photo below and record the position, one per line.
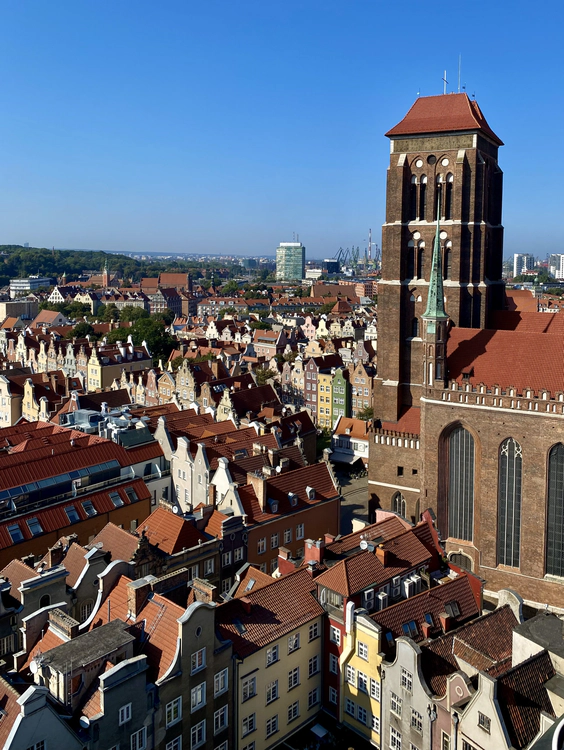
(390, 638)
(250, 584)
(16, 533)
(293, 498)
(273, 505)
(72, 514)
(34, 526)
(409, 629)
(240, 627)
(89, 509)
(452, 609)
(310, 493)
(116, 499)
(428, 618)
(131, 494)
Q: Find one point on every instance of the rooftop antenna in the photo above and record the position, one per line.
(293, 236)
(459, 67)
(445, 82)
(370, 245)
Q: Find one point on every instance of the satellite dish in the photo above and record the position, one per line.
(84, 722)
(175, 510)
(278, 469)
(33, 667)
(364, 544)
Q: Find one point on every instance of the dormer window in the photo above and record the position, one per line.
(310, 493)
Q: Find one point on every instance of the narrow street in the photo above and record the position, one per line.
(355, 499)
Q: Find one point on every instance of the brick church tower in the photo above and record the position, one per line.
(443, 166)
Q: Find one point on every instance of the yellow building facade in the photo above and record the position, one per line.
(324, 399)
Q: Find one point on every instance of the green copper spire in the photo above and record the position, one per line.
(435, 299)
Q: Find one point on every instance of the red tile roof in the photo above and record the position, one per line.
(75, 562)
(521, 299)
(386, 529)
(439, 114)
(359, 572)
(275, 610)
(120, 543)
(16, 572)
(408, 422)
(170, 532)
(253, 579)
(10, 710)
(214, 525)
(490, 357)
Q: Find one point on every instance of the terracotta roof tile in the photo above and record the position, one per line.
(386, 529)
(171, 533)
(409, 421)
(253, 579)
(120, 543)
(75, 562)
(16, 572)
(10, 710)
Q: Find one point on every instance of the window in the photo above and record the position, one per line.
(333, 695)
(34, 526)
(362, 715)
(287, 536)
(220, 682)
(467, 746)
(220, 719)
(445, 741)
(198, 660)
(509, 503)
(412, 746)
(173, 711)
(139, 739)
(116, 499)
(198, 695)
(272, 691)
(124, 714)
(350, 707)
(398, 504)
(89, 509)
(226, 559)
(300, 531)
(406, 680)
(313, 666)
(271, 655)
(350, 675)
(362, 682)
(395, 704)
(248, 688)
(249, 724)
(333, 664)
(335, 635)
(293, 678)
(274, 540)
(261, 546)
(209, 567)
(461, 484)
(313, 698)
(362, 650)
(250, 746)
(293, 711)
(198, 735)
(175, 744)
(72, 514)
(395, 739)
(374, 689)
(193, 571)
(416, 720)
(225, 585)
(238, 555)
(86, 610)
(313, 631)
(272, 725)
(484, 722)
(293, 642)
(15, 532)
(375, 723)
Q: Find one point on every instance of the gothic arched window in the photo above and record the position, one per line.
(415, 327)
(398, 504)
(448, 196)
(410, 270)
(422, 198)
(509, 503)
(460, 484)
(555, 512)
(447, 265)
(413, 199)
(421, 261)
(438, 198)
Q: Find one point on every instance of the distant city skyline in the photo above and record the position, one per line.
(219, 128)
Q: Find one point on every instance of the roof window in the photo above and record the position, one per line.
(89, 508)
(15, 532)
(72, 514)
(116, 499)
(34, 526)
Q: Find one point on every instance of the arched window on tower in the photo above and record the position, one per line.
(437, 206)
(460, 484)
(509, 503)
(448, 196)
(413, 199)
(555, 512)
(422, 197)
(421, 261)
(410, 268)
(398, 504)
(447, 265)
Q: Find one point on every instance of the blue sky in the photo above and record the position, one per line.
(219, 126)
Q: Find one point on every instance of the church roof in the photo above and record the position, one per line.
(440, 114)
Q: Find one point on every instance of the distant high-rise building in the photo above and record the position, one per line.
(522, 262)
(290, 261)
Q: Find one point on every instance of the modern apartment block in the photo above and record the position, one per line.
(290, 261)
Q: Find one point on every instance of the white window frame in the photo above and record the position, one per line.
(173, 713)
(138, 739)
(313, 631)
(395, 739)
(300, 531)
(198, 660)
(362, 650)
(313, 666)
(124, 714)
(220, 719)
(272, 655)
(272, 691)
(293, 642)
(221, 682)
(248, 688)
(333, 695)
(198, 697)
(293, 678)
(249, 724)
(272, 725)
(333, 664)
(335, 635)
(198, 735)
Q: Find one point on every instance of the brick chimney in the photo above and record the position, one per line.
(382, 555)
(446, 621)
(55, 555)
(247, 604)
(64, 623)
(211, 494)
(285, 563)
(329, 538)
(259, 486)
(204, 591)
(426, 629)
(313, 551)
(137, 593)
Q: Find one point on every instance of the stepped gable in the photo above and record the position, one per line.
(269, 613)
(522, 697)
(485, 643)
(171, 533)
(353, 574)
(443, 114)
(489, 357)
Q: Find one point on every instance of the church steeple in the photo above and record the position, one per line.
(436, 296)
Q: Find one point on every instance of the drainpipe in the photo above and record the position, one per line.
(455, 720)
(432, 713)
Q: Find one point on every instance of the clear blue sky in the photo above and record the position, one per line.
(222, 126)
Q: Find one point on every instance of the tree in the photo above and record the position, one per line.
(131, 314)
(232, 287)
(110, 313)
(259, 325)
(80, 331)
(227, 311)
(177, 362)
(365, 414)
(263, 374)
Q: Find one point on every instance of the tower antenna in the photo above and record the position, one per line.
(370, 246)
(445, 83)
(459, 67)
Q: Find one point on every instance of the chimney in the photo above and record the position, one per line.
(55, 555)
(257, 449)
(313, 551)
(426, 629)
(382, 554)
(204, 591)
(247, 604)
(329, 538)
(137, 593)
(64, 623)
(211, 494)
(259, 486)
(284, 463)
(446, 621)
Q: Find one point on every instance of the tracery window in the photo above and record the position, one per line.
(509, 503)
(461, 484)
(555, 512)
(398, 504)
